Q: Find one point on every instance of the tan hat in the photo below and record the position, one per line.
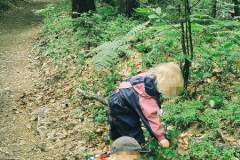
(126, 148)
(169, 79)
(125, 143)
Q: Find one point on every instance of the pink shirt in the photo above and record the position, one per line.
(149, 108)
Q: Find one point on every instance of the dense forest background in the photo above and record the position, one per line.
(90, 50)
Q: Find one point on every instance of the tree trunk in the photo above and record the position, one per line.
(111, 2)
(236, 7)
(81, 6)
(127, 6)
(214, 9)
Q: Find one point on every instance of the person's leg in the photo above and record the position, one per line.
(123, 120)
(113, 132)
(113, 103)
(130, 125)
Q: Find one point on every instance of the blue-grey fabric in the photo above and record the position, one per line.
(125, 114)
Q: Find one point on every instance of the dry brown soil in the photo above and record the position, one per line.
(18, 30)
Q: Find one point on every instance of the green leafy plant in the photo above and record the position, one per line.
(182, 114)
(91, 136)
(99, 114)
(231, 112)
(107, 53)
(206, 150)
(209, 118)
(110, 80)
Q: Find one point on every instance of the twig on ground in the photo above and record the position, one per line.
(92, 96)
(221, 135)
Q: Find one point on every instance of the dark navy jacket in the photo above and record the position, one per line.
(140, 95)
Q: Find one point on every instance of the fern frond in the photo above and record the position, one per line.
(107, 54)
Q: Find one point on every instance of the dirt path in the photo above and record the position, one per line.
(18, 29)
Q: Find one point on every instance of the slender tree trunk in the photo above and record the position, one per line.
(236, 7)
(127, 6)
(214, 8)
(186, 39)
(81, 6)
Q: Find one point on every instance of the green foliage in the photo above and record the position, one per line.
(202, 19)
(215, 93)
(159, 153)
(108, 53)
(162, 153)
(107, 11)
(182, 114)
(133, 69)
(109, 81)
(105, 38)
(218, 101)
(99, 114)
(155, 47)
(6, 4)
(56, 32)
(88, 25)
(205, 150)
(64, 36)
(231, 112)
(91, 136)
(209, 118)
(172, 134)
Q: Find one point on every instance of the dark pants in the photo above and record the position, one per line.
(123, 119)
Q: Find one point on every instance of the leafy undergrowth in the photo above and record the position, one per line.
(10, 4)
(202, 125)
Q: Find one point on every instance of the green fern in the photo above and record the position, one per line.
(107, 54)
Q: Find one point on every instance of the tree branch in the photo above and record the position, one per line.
(92, 96)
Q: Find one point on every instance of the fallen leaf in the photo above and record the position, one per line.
(183, 142)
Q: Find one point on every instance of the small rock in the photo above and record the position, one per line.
(52, 101)
(22, 142)
(29, 126)
(66, 103)
(70, 126)
(34, 117)
(42, 146)
(52, 136)
(14, 108)
(99, 131)
(42, 130)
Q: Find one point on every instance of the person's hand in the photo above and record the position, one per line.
(164, 143)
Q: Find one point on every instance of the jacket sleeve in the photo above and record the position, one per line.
(150, 108)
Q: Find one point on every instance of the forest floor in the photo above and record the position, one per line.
(43, 64)
(18, 74)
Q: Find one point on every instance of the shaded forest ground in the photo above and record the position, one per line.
(19, 28)
(94, 53)
(98, 50)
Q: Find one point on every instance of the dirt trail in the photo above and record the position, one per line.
(18, 29)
